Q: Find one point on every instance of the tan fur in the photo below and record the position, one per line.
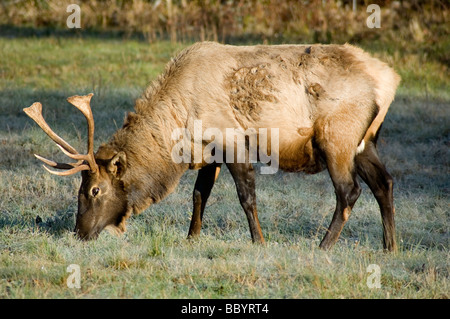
(321, 97)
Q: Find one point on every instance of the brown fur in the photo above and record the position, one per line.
(324, 99)
(322, 93)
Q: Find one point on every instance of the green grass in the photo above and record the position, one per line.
(153, 259)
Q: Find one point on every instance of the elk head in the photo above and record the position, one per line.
(102, 200)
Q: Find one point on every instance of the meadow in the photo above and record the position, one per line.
(153, 259)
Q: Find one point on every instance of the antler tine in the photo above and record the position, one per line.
(70, 168)
(35, 113)
(83, 167)
(58, 165)
(82, 103)
(79, 157)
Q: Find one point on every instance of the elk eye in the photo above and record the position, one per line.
(95, 191)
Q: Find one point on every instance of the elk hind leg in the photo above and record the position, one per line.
(338, 136)
(347, 191)
(380, 182)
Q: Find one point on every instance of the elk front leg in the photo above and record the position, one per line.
(244, 178)
(202, 189)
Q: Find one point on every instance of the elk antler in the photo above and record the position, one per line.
(83, 104)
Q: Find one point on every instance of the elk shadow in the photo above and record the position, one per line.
(56, 225)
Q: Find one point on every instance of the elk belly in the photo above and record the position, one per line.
(297, 155)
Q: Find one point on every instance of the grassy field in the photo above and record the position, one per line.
(153, 259)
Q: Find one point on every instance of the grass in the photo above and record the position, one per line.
(153, 259)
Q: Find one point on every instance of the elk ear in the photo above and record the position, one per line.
(118, 165)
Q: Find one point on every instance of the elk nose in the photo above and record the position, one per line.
(85, 236)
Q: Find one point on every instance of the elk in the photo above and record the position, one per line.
(328, 102)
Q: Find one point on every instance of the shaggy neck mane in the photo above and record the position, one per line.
(146, 139)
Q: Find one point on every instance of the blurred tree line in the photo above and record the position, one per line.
(272, 21)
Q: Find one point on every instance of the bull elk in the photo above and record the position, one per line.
(328, 102)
